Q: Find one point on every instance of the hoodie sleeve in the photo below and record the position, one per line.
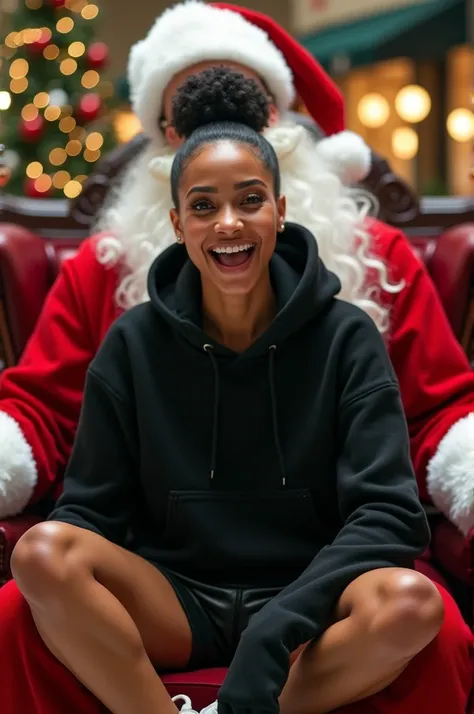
(384, 526)
(100, 483)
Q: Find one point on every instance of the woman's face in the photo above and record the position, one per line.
(228, 216)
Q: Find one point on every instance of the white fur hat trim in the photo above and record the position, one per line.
(193, 32)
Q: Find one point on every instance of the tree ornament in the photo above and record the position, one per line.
(5, 174)
(10, 158)
(97, 55)
(32, 131)
(30, 189)
(38, 47)
(58, 98)
(56, 3)
(89, 107)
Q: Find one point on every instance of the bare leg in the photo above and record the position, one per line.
(105, 613)
(384, 618)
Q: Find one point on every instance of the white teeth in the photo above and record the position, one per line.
(233, 249)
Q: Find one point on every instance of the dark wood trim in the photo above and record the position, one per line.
(7, 355)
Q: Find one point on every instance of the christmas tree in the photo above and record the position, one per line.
(53, 116)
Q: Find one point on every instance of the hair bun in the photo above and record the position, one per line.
(219, 94)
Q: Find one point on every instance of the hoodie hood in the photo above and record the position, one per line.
(303, 288)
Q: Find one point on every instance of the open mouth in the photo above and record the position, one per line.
(231, 257)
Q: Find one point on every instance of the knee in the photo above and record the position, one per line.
(410, 612)
(40, 561)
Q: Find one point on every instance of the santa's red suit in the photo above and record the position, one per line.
(40, 399)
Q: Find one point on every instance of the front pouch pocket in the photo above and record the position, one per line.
(240, 529)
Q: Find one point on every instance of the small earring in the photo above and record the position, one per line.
(282, 227)
(179, 239)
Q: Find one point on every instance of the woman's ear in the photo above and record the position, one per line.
(172, 137)
(176, 222)
(273, 114)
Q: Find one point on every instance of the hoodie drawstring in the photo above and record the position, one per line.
(208, 349)
(276, 435)
(215, 427)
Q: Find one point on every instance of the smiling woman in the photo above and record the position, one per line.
(225, 183)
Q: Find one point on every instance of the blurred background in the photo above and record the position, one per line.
(405, 68)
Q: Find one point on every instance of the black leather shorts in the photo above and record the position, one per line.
(217, 616)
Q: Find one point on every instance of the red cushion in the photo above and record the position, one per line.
(201, 686)
(11, 531)
(454, 551)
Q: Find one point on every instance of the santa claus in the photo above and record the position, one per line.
(41, 397)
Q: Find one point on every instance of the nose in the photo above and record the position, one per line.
(228, 222)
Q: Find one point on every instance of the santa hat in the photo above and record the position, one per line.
(193, 32)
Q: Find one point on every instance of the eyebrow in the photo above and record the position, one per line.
(213, 189)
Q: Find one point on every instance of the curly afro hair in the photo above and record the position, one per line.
(219, 94)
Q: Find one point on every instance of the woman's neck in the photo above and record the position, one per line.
(236, 321)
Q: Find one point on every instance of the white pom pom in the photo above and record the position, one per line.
(347, 155)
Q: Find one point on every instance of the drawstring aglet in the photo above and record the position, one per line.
(284, 481)
(212, 474)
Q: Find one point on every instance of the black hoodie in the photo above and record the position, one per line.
(287, 464)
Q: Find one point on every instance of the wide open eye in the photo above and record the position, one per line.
(202, 205)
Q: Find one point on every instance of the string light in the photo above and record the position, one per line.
(33, 4)
(60, 179)
(34, 170)
(68, 66)
(74, 147)
(57, 157)
(43, 183)
(90, 12)
(91, 156)
(19, 69)
(72, 189)
(76, 49)
(90, 79)
(81, 178)
(76, 5)
(18, 86)
(52, 113)
(67, 124)
(31, 35)
(77, 134)
(10, 40)
(5, 101)
(94, 141)
(41, 100)
(29, 112)
(51, 52)
(19, 39)
(65, 25)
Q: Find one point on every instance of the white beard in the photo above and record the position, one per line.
(136, 225)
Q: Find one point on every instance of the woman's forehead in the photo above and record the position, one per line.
(224, 161)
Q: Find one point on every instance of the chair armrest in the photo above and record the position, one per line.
(452, 269)
(454, 551)
(11, 531)
(25, 278)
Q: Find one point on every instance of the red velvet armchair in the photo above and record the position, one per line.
(35, 236)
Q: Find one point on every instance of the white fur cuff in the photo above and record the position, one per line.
(18, 474)
(451, 475)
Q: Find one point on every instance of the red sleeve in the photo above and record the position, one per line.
(40, 398)
(436, 381)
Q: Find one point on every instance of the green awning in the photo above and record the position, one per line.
(422, 31)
